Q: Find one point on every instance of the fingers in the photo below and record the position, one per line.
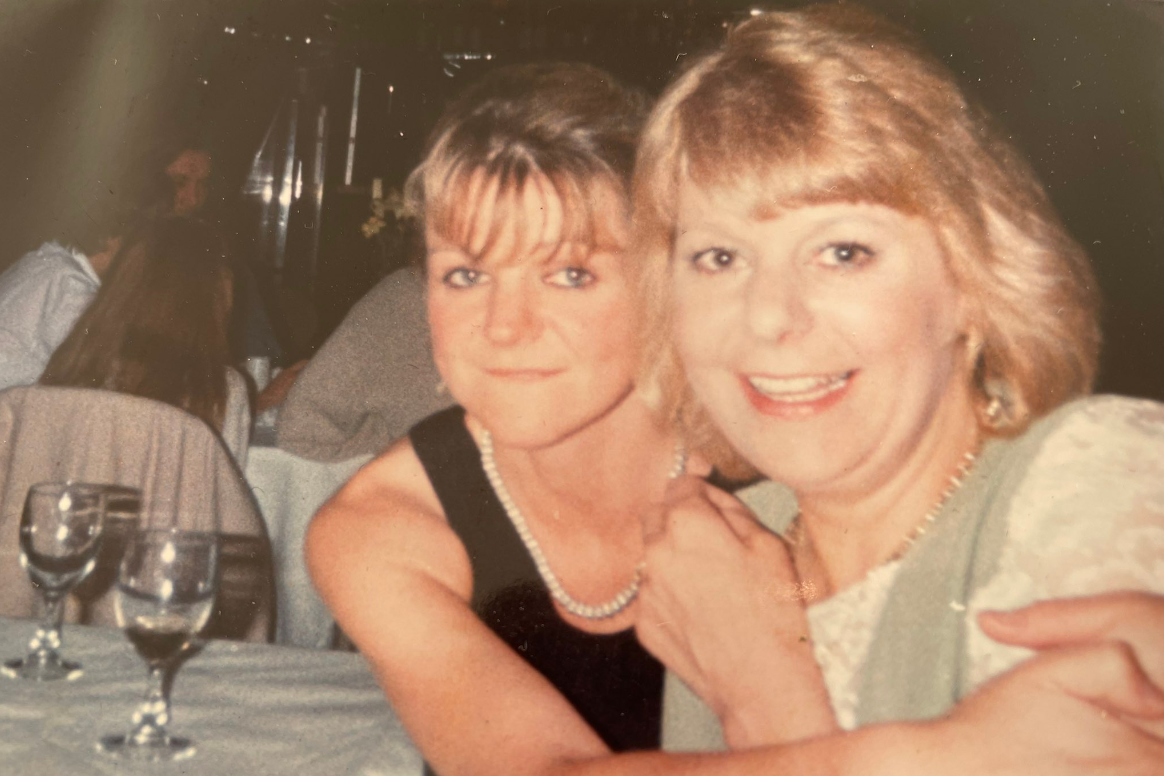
(1106, 675)
(1115, 616)
(738, 517)
(683, 487)
(690, 498)
(683, 500)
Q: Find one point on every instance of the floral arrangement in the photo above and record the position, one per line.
(390, 205)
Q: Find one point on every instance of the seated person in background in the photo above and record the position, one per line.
(43, 294)
(184, 179)
(370, 381)
(158, 328)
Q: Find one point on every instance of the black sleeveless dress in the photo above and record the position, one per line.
(613, 683)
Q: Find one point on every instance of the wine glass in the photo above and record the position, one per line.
(60, 535)
(164, 596)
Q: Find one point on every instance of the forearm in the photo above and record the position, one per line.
(883, 750)
(790, 704)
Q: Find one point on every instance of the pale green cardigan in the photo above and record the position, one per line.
(917, 662)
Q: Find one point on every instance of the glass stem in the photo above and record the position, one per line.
(153, 714)
(47, 640)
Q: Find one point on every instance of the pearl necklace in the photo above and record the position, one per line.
(588, 611)
(795, 531)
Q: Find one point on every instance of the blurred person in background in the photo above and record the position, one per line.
(185, 179)
(44, 292)
(370, 381)
(158, 328)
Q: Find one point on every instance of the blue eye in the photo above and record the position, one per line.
(713, 260)
(464, 277)
(571, 277)
(846, 254)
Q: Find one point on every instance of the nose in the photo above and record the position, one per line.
(513, 316)
(776, 307)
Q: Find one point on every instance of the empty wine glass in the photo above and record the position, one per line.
(164, 596)
(60, 535)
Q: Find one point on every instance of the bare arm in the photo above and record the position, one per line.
(1134, 619)
(398, 581)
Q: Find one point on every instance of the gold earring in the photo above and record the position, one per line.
(994, 411)
(998, 404)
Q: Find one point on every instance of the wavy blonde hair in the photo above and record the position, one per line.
(834, 104)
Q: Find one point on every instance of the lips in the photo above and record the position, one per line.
(796, 397)
(523, 375)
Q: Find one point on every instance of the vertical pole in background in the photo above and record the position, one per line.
(286, 187)
(352, 129)
(317, 172)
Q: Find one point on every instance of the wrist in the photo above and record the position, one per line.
(788, 704)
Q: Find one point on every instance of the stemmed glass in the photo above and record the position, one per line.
(60, 535)
(164, 596)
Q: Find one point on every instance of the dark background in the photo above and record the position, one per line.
(92, 92)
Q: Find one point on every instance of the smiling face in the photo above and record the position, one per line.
(826, 341)
(531, 328)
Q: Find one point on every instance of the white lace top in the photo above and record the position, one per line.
(1087, 519)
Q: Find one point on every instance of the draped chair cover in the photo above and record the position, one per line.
(182, 468)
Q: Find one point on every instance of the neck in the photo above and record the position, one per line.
(848, 534)
(596, 474)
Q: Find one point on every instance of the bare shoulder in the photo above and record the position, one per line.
(385, 521)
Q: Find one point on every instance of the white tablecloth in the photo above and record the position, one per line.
(289, 490)
(252, 709)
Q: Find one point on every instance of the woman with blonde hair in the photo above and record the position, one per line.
(158, 328)
(857, 287)
(501, 537)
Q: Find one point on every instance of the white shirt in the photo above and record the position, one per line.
(41, 296)
(1088, 519)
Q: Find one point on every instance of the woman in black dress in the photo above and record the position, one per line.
(503, 534)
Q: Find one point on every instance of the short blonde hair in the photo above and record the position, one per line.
(834, 104)
(570, 129)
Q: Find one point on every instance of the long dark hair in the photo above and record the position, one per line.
(158, 327)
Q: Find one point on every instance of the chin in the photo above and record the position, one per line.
(787, 452)
(531, 434)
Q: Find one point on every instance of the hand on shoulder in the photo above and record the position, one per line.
(722, 608)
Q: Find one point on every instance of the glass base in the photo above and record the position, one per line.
(164, 750)
(41, 668)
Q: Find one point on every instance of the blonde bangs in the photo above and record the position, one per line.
(477, 205)
(798, 139)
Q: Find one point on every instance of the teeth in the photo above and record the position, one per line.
(798, 389)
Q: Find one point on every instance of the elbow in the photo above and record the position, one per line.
(322, 547)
